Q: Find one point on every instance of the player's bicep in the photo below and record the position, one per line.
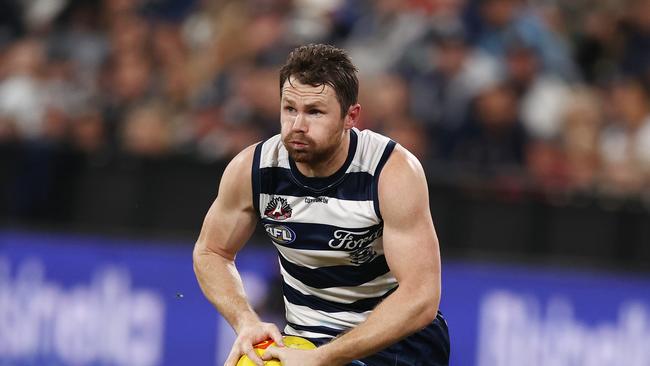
(231, 219)
(410, 242)
(225, 230)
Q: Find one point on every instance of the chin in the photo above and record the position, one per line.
(300, 157)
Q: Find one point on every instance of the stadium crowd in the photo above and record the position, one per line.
(554, 94)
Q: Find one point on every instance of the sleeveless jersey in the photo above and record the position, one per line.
(328, 234)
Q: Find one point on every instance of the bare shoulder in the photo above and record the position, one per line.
(242, 162)
(401, 165)
(231, 219)
(236, 179)
(402, 189)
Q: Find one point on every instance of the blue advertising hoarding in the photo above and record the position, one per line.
(510, 315)
(77, 300)
(68, 300)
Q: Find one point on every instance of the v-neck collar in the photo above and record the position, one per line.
(319, 184)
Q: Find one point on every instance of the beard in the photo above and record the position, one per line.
(310, 153)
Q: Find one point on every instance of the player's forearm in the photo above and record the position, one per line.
(222, 286)
(402, 313)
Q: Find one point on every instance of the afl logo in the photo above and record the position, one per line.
(280, 234)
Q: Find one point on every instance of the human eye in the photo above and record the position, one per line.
(289, 108)
(315, 112)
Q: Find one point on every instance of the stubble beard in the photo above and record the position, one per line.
(312, 155)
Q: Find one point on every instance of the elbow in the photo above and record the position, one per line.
(198, 257)
(196, 252)
(203, 256)
(427, 306)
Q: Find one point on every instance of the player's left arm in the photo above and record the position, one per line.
(413, 255)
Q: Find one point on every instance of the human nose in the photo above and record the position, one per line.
(299, 123)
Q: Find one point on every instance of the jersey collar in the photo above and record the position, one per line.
(320, 184)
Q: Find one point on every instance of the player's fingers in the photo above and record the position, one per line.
(276, 336)
(271, 353)
(233, 357)
(250, 352)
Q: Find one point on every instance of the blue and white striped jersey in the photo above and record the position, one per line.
(328, 233)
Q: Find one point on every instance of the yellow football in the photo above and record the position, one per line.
(260, 348)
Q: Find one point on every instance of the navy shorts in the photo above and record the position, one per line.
(427, 347)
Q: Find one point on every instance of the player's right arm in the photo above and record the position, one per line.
(228, 224)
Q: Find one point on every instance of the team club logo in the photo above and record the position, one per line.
(278, 209)
(280, 234)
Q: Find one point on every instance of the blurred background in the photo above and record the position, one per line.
(531, 118)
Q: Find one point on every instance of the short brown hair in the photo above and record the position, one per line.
(321, 64)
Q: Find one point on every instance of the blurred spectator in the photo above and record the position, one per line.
(10, 21)
(442, 87)
(411, 135)
(493, 139)
(625, 141)
(546, 166)
(87, 132)
(501, 21)
(596, 46)
(583, 119)
(542, 97)
(22, 98)
(8, 131)
(382, 34)
(496, 87)
(384, 99)
(147, 131)
(635, 60)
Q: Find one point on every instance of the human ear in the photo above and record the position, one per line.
(352, 117)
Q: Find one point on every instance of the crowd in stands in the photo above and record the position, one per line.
(552, 92)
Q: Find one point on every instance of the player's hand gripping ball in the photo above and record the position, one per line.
(260, 348)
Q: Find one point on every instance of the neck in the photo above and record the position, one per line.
(329, 166)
